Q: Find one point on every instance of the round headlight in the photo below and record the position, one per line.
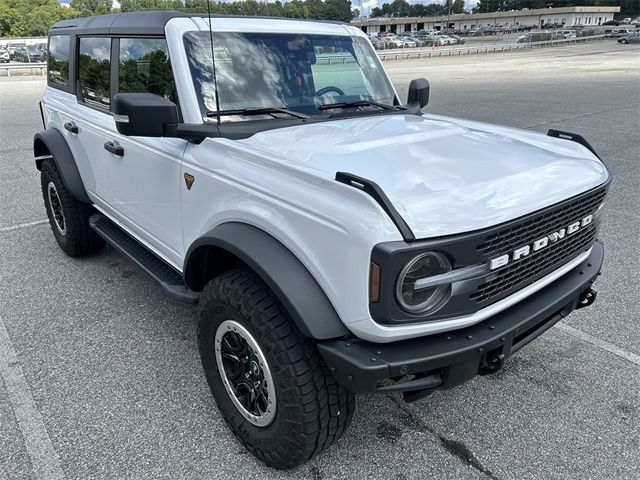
(422, 300)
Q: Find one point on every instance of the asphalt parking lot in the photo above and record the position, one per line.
(100, 375)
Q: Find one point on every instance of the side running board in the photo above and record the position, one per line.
(170, 281)
(574, 137)
(374, 190)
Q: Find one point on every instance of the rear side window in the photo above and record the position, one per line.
(144, 67)
(94, 71)
(58, 61)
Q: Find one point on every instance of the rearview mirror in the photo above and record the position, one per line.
(418, 92)
(144, 114)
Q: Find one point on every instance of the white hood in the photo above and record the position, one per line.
(443, 175)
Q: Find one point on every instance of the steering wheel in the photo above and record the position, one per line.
(328, 89)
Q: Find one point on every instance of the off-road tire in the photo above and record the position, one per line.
(78, 238)
(312, 410)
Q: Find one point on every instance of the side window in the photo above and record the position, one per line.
(58, 61)
(93, 71)
(144, 67)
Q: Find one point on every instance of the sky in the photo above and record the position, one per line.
(364, 5)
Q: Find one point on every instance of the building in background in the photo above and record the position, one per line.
(566, 16)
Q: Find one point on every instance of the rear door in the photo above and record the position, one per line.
(85, 125)
(144, 173)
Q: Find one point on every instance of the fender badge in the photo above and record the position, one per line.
(188, 179)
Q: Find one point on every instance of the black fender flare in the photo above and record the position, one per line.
(279, 268)
(50, 143)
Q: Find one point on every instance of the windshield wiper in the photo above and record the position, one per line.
(358, 103)
(259, 111)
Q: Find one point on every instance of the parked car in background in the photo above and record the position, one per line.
(631, 38)
(19, 53)
(12, 46)
(377, 43)
(395, 41)
(406, 41)
(427, 39)
(536, 37)
(5, 56)
(28, 54)
(568, 33)
(447, 40)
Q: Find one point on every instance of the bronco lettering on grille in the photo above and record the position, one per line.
(540, 243)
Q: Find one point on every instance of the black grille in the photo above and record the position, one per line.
(535, 266)
(538, 264)
(540, 225)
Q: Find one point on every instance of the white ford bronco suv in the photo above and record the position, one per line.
(338, 239)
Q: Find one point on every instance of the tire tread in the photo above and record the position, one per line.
(79, 239)
(325, 409)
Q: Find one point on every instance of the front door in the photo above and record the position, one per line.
(144, 173)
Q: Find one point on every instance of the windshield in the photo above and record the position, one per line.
(287, 71)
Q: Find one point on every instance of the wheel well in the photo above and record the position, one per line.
(233, 244)
(208, 262)
(40, 149)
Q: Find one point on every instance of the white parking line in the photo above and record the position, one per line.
(44, 459)
(609, 347)
(23, 225)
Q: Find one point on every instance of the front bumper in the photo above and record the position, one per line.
(449, 359)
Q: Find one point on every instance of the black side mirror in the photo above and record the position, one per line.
(144, 114)
(418, 92)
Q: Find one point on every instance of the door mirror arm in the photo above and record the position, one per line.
(192, 132)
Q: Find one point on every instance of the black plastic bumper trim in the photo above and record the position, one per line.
(460, 355)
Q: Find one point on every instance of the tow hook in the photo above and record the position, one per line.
(492, 362)
(586, 298)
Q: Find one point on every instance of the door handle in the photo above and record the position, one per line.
(72, 127)
(113, 148)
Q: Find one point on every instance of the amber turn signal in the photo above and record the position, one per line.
(374, 283)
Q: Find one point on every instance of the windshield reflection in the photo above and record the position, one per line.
(286, 71)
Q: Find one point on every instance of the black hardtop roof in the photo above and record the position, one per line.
(141, 23)
(137, 23)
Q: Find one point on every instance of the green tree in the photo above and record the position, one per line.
(30, 17)
(458, 6)
(401, 8)
(91, 7)
(10, 19)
